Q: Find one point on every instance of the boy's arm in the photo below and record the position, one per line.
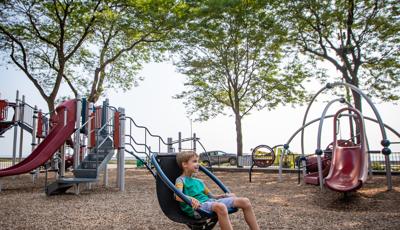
(179, 186)
(208, 192)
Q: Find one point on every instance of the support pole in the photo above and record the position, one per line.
(90, 127)
(169, 143)
(21, 130)
(104, 118)
(121, 151)
(33, 144)
(320, 176)
(62, 169)
(77, 144)
(105, 177)
(14, 156)
(281, 164)
(106, 133)
(34, 128)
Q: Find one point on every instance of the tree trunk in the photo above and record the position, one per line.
(50, 104)
(239, 138)
(357, 100)
(358, 105)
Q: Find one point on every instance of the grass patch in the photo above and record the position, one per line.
(128, 162)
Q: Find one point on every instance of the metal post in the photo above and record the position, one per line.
(62, 169)
(21, 132)
(90, 128)
(121, 151)
(83, 146)
(15, 128)
(281, 164)
(169, 143)
(319, 163)
(77, 132)
(105, 177)
(33, 144)
(34, 128)
(388, 173)
(179, 141)
(104, 118)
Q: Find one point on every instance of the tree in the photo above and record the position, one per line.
(41, 37)
(230, 54)
(125, 35)
(360, 38)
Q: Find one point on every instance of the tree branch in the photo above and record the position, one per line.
(26, 71)
(85, 32)
(40, 36)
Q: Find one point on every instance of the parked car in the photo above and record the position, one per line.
(217, 157)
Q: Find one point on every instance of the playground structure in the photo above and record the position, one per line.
(98, 133)
(25, 117)
(345, 157)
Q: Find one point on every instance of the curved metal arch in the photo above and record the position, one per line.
(332, 85)
(330, 116)
(321, 121)
(384, 141)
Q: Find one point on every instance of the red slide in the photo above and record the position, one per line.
(56, 138)
(349, 168)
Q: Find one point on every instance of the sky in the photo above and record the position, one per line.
(151, 104)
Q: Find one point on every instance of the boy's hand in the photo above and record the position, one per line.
(230, 195)
(195, 203)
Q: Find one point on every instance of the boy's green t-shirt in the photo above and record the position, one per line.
(192, 187)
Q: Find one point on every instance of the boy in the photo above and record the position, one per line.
(201, 196)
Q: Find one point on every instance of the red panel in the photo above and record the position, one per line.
(39, 132)
(92, 131)
(116, 130)
(3, 110)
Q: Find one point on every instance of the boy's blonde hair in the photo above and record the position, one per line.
(184, 156)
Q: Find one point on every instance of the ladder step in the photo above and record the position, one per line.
(85, 173)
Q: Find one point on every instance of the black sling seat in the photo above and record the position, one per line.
(167, 172)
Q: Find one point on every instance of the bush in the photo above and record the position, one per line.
(377, 166)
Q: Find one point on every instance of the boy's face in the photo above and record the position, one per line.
(192, 165)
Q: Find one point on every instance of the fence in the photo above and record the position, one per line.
(288, 161)
(5, 163)
(377, 161)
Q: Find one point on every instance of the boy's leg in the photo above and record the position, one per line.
(223, 216)
(249, 216)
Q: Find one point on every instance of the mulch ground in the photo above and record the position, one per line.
(278, 205)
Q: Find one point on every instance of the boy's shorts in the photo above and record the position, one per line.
(227, 201)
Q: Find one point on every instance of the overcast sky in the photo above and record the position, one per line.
(151, 104)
